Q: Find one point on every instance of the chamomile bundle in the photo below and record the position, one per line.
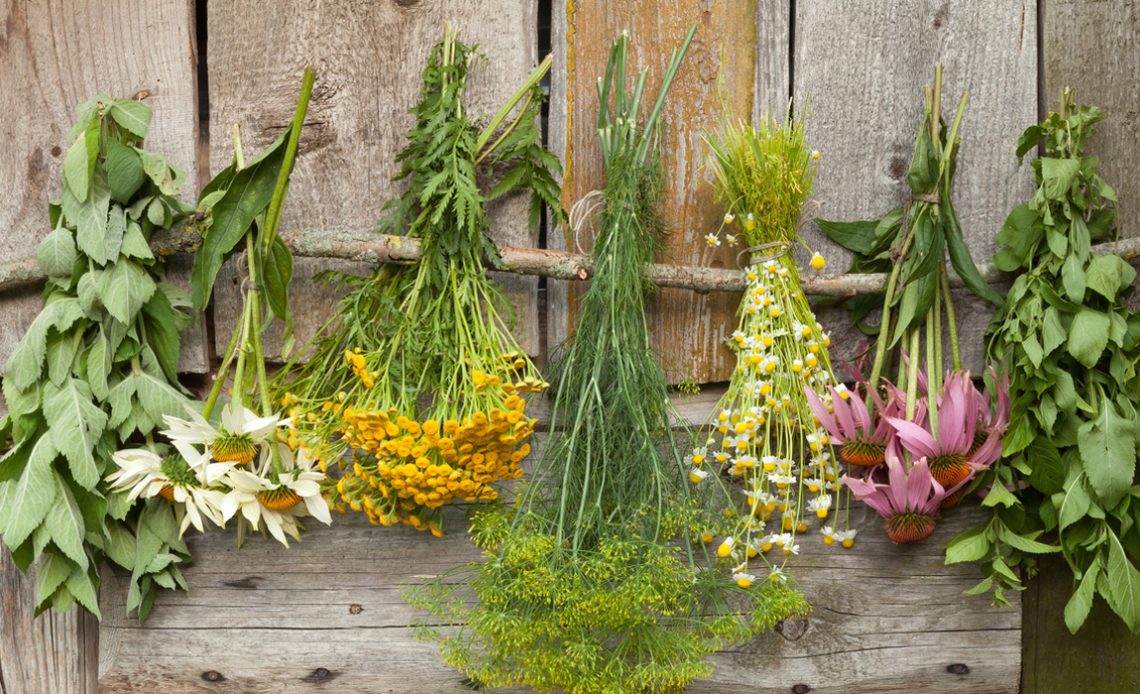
(596, 581)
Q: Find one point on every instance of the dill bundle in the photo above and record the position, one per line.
(599, 582)
(768, 438)
(415, 386)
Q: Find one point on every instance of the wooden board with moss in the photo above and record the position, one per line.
(368, 57)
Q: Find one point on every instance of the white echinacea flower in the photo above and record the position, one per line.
(144, 474)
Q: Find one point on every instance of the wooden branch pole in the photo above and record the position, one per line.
(543, 262)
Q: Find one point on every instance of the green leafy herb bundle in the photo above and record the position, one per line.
(1070, 345)
(96, 369)
(598, 581)
(415, 384)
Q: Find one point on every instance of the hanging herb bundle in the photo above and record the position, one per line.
(1071, 346)
(597, 582)
(97, 368)
(938, 417)
(416, 387)
(768, 438)
(245, 467)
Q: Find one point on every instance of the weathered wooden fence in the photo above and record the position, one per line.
(327, 615)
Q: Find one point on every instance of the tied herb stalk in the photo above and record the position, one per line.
(97, 369)
(933, 427)
(768, 437)
(416, 387)
(1070, 344)
(597, 581)
(246, 467)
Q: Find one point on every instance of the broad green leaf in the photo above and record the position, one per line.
(125, 173)
(65, 523)
(277, 272)
(32, 495)
(99, 365)
(982, 587)
(120, 545)
(971, 545)
(857, 237)
(125, 287)
(1079, 604)
(76, 425)
(133, 116)
(247, 197)
(1074, 504)
(1026, 544)
(76, 172)
(964, 266)
(50, 575)
(116, 228)
(161, 172)
(1108, 453)
(134, 244)
(56, 253)
(162, 333)
(90, 217)
(1048, 475)
(1053, 333)
(1073, 279)
(82, 588)
(61, 350)
(1107, 274)
(1088, 336)
(999, 495)
(1120, 584)
(1057, 176)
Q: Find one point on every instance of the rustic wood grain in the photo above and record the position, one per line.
(329, 613)
(1094, 47)
(368, 57)
(688, 329)
(860, 67)
(55, 55)
(55, 653)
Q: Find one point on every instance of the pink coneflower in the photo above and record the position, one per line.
(861, 442)
(969, 435)
(908, 501)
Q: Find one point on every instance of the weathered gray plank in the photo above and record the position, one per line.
(688, 329)
(886, 618)
(368, 58)
(56, 652)
(861, 66)
(55, 55)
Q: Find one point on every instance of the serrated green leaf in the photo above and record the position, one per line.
(76, 425)
(32, 494)
(1108, 453)
(1088, 335)
(125, 173)
(1048, 472)
(1120, 584)
(99, 365)
(65, 524)
(161, 172)
(116, 228)
(162, 333)
(124, 289)
(60, 355)
(1074, 504)
(133, 116)
(90, 217)
(57, 254)
(982, 587)
(134, 244)
(82, 587)
(971, 545)
(1026, 544)
(50, 575)
(76, 172)
(999, 495)
(1080, 602)
(120, 546)
(1057, 176)
(1106, 274)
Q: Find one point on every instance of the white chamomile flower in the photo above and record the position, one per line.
(712, 240)
(744, 580)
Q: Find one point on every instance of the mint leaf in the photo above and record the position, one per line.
(1088, 336)
(1108, 453)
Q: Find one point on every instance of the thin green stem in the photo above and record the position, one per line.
(280, 189)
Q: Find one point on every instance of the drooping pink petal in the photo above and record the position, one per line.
(871, 494)
(843, 416)
(955, 410)
(918, 485)
(898, 483)
(914, 438)
(988, 452)
(826, 419)
(860, 413)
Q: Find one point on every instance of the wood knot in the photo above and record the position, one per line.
(800, 689)
(406, 3)
(141, 95)
(213, 676)
(896, 169)
(958, 669)
(247, 583)
(321, 674)
(792, 629)
(355, 609)
(56, 151)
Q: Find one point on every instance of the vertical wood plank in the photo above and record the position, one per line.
(861, 66)
(368, 58)
(55, 55)
(1094, 47)
(55, 652)
(688, 329)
